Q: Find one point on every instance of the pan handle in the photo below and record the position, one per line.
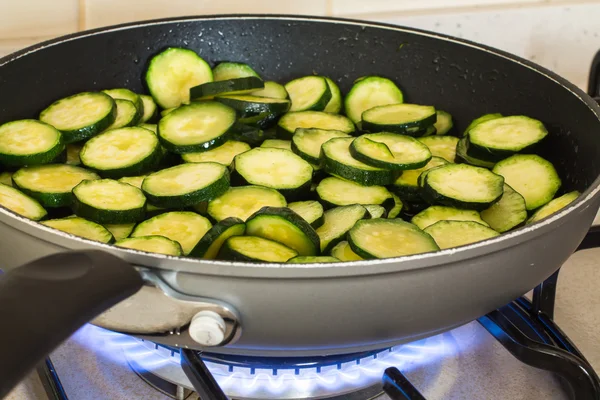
(45, 301)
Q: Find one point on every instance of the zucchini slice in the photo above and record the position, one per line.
(343, 252)
(186, 184)
(151, 127)
(308, 93)
(151, 244)
(398, 207)
(19, 203)
(233, 70)
(6, 178)
(125, 116)
(196, 127)
(183, 227)
(376, 211)
(507, 213)
(81, 116)
(441, 146)
(107, 201)
(443, 123)
(120, 231)
(150, 109)
(338, 221)
(255, 249)
(340, 192)
(553, 206)
(243, 201)
(73, 151)
(531, 176)
(122, 152)
(231, 86)
(483, 118)
(398, 118)
(29, 142)
(209, 246)
(249, 106)
(310, 210)
(307, 142)
(137, 182)
(334, 105)
(273, 90)
(172, 73)
(126, 94)
(462, 186)
(282, 225)
(81, 227)
(407, 186)
(337, 160)
(433, 214)
(387, 238)
(461, 154)
(390, 151)
(51, 184)
(275, 168)
(369, 92)
(223, 154)
(312, 260)
(277, 144)
(288, 123)
(499, 138)
(448, 234)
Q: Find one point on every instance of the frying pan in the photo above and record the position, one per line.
(273, 309)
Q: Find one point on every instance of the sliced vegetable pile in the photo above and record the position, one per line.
(217, 163)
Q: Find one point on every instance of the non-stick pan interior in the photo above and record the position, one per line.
(465, 80)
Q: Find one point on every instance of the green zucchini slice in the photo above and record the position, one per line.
(398, 207)
(6, 178)
(273, 90)
(307, 142)
(390, 151)
(554, 206)
(223, 154)
(151, 244)
(308, 93)
(433, 214)
(150, 109)
(310, 210)
(369, 92)
(151, 127)
(334, 105)
(186, 184)
(126, 114)
(73, 151)
(407, 186)
(230, 86)
(312, 260)
(81, 227)
(209, 246)
(255, 249)
(233, 70)
(81, 116)
(248, 106)
(277, 144)
(196, 127)
(531, 176)
(172, 73)
(387, 238)
(288, 123)
(441, 146)
(507, 213)
(483, 118)
(29, 142)
(343, 252)
(137, 182)
(443, 123)
(183, 227)
(126, 94)
(19, 203)
(461, 154)
(338, 221)
(376, 211)
(107, 201)
(250, 134)
(243, 201)
(398, 118)
(448, 234)
(334, 191)
(51, 184)
(120, 231)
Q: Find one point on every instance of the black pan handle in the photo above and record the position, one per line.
(44, 302)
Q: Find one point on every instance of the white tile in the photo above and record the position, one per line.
(109, 12)
(33, 18)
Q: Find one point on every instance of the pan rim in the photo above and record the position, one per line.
(366, 267)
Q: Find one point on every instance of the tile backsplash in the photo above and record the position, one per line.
(562, 35)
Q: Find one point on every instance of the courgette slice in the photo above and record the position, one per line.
(275, 168)
(126, 114)
(288, 123)
(443, 123)
(186, 184)
(250, 134)
(483, 118)
(433, 214)
(107, 201)
(407, 186)
(461, 154)
(233, 70)
(308, 93)
(29, 142)
(81, 116)
(398, 118)
(196, 127)
(338, 221)
(376, 211)
(334, 105)
(255, 249)
(462, 186)
(172, 73)
(6, 178)
(507, 213)
(387, 238)
(51, 184)
(441, 146)
(343, 252)
(137, 182)
(126, 94)
(337, 160)
(282, 225)
(209, 246)
(273, 90)
(122, 152)
(312, 260)
(81, 227)
(243, 201)
(390, 151)
(230, 86)
(223, 154)
(183, 227)
(150, 109)
(152, 244)
(531, 176)
(449, 234)
(19, 203)
(277, 144)
(248, 106)
(307, 142)
(554, 206)
(120, 231)
(73, 151)
(151, 127)
(369, 92)
(398, 207)
(310, 210)
(334, 191)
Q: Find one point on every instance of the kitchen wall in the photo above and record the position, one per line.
(562, 35)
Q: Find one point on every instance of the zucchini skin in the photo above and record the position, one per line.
(433, 197)
(214, 233)
(363, 177)
(108, 216)
(141, 168)
(215, 88)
